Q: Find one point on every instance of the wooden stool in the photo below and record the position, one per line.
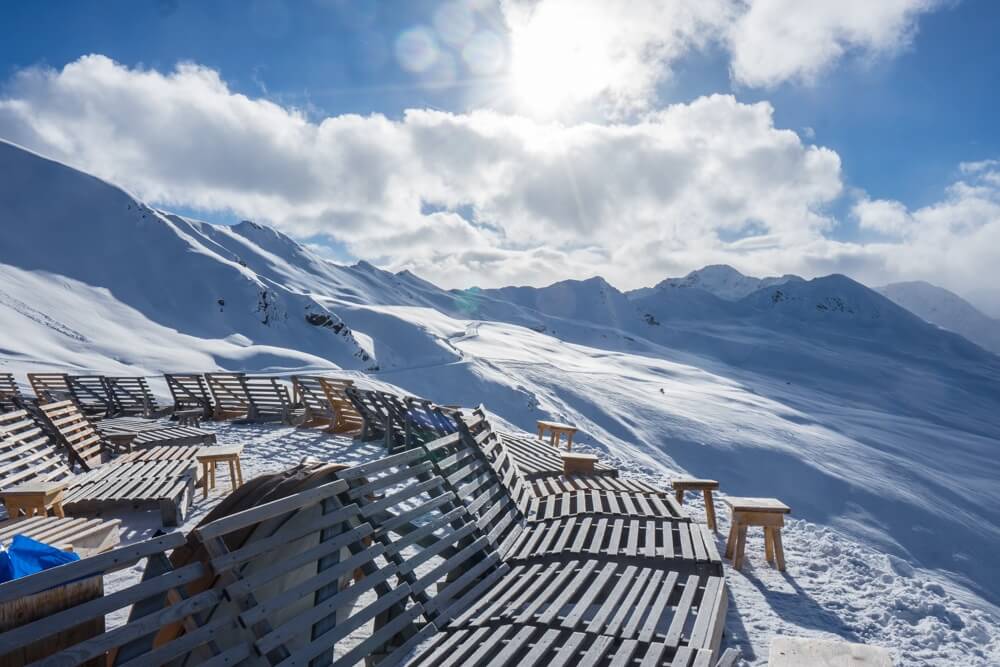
(557, 430)
(706, 486)
(766, 512)
(578, 464)
(210, 457)
(35, 498)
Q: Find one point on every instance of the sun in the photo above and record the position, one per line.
(560, 58)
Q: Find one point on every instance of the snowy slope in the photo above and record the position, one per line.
(947, 310)
(161, 274)
(878, 428)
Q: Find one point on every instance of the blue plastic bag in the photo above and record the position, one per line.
(27, 556)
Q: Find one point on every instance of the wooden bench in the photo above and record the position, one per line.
(34, 499)
(211, 457)
(706, 486)
(766, 512)
(556, 431)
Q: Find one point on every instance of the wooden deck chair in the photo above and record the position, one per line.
(377, 422)
(325, 404)
(190, 391)
(10, 393)
(28, 455)
(301, 573)
(269, 400)
(502, 507)
(81, 629)
(418, 419)
(50, 387)
(84, 537)
(92, 394)
(433, 539)
(229, 396)
(132, 396)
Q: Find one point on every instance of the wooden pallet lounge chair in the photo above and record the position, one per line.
(503, 507)
(92, 394)
(467, 585)
(78, 630)
(133, 397)
(82, 536)
(249, 398)
(89, 446)
(418, 419)
(10, 393)
(325, 403)
(28, 455)
(377, 422)
(50, 387)
(190, 392)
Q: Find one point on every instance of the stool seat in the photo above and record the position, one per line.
(768, 513)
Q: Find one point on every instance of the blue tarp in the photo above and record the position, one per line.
(27, 556)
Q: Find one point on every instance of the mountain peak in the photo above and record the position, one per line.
(724, 282)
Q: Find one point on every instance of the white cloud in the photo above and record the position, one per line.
(775, 41)
(491, 199)
(569, 56)
(881, 215)
(542, 201)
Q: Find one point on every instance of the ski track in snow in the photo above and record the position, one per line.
(834, 586)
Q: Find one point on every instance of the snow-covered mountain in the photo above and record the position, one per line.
(877, 428)
(720, 280)
(947, 310)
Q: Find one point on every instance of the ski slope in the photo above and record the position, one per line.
(878, 428)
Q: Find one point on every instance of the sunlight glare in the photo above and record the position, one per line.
(560, 57)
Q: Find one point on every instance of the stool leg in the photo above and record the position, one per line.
(768, 544)
(709, 510)
(204, 479)
(541, 433)
(232, 474)
(57, 509)
(731, 540)
(569, 443)
(741, 546)
(214, 467)
(679, 494)
(779, 550)
(239, 472)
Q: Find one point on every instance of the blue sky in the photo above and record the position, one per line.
(902, 96)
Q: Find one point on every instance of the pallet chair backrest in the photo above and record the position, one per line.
(82, 441)
(92, 394)
(486, 495)
(308, 391)
(10, 393)
(27, 454)
(335, 389)
(267, 397)
(132, 396)
(376, 418)
(229, 394)
(435, 542)
(293, 571)
(189, 391)
(50, 387)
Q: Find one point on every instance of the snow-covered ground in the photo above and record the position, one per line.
(878, 429)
